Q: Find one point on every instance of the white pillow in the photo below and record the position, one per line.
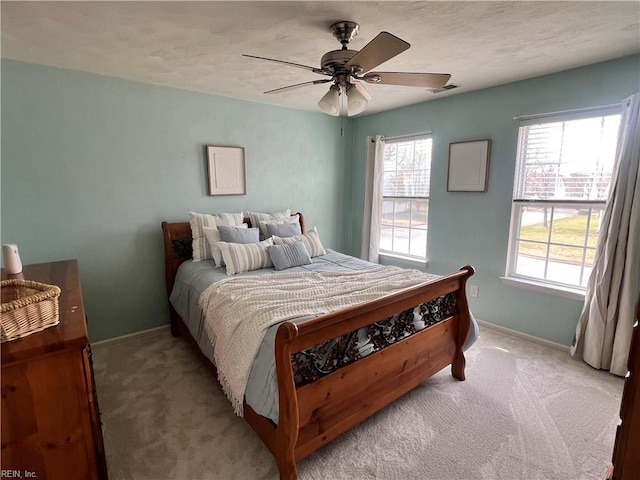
(213, 237)
(199, 243)
(256, 218)
(244, 257)
(311, 240)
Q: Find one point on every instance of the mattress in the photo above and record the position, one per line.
(193, 278)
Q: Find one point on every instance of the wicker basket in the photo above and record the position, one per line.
(27, 307)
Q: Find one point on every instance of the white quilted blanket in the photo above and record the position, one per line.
(239, 310)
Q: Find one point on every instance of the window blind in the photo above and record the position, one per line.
(566, 159)
(407, 168)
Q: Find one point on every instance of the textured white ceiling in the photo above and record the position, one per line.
(198, 45)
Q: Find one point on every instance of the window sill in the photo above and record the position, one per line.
(566, 292)
(389, 259)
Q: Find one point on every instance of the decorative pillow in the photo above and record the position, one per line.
(290, 255)
(282, 229)
(198, 221)
(311, 240)
(290, 219)
(238, 235)
(256, 219)
(244, 257)
(213, 237)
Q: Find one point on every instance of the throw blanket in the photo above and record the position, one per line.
(238, 311)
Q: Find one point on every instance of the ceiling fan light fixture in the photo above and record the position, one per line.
(356, 102)
(330, 102)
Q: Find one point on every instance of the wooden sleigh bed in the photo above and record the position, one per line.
(312, 415)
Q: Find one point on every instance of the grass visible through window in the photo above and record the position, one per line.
(568, 231)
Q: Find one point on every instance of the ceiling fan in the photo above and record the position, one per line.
(347, 70)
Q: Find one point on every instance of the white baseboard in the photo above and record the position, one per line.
(130, 335)
(525, 336)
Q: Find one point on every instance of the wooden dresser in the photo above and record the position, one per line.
(50, 417)
(626, 458)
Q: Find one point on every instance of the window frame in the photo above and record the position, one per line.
(511, 277)
(408, 257)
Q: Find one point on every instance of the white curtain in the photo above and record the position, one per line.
(370, 249)
(603, 334)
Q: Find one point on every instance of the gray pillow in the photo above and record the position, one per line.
(283, 229)
(238, 235)
(289, 255)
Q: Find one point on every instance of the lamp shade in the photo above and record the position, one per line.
(356, 102)
(330, 102)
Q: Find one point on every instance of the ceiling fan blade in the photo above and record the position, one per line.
(382, 48)
(291, 64)
(362, 90)
(312, 82)
(425, 80)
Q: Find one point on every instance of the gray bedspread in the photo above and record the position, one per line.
(193, 278)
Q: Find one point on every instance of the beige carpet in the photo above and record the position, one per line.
(525, 412)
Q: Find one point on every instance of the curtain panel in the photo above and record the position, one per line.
(603, 333)
(370, 248)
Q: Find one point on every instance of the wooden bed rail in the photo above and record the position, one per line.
(314, 414)
(320, 329)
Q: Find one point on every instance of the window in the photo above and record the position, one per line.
(564, 169)
(405, 202)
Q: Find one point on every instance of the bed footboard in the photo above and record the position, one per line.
(314, 414)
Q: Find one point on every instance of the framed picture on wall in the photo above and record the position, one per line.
(468, 166)
(226, 170)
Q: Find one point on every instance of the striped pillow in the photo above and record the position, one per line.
(200, 245)
(311, 240)
(244, 257)
(290, 255)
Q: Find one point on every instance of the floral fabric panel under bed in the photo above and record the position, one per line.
(320, 360)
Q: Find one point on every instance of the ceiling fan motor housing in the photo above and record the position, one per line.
(335, 60)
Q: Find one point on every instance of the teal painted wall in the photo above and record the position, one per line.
(473, 228)
(91, 165)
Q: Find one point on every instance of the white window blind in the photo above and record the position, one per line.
(407, 168)
(567, 159)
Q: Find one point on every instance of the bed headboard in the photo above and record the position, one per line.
(177, 246)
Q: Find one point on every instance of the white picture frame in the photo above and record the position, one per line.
(468, 166)
(226, 170)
